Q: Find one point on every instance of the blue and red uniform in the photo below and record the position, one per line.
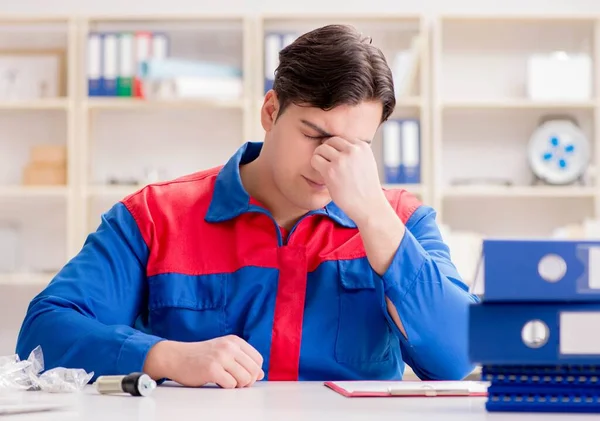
(196, 258)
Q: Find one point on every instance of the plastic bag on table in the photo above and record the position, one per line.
(25, 375)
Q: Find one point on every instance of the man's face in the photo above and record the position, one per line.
(290, 143)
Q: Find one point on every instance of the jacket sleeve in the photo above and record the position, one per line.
(431, 300)
(84, 317)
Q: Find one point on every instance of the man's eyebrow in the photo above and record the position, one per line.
(324, 132)
(313, 126)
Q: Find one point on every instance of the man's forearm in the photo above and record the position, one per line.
(382, 233)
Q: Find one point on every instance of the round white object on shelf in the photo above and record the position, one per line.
(559, 152)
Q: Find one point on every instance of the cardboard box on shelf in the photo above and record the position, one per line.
(36, 174)
(49, 154)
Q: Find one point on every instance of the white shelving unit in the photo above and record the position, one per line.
(483, 119)
(469, 98)
(45, 240)
(125, 138)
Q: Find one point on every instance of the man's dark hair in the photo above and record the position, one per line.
(333, 65)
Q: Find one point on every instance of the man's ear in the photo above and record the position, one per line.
(269, 110)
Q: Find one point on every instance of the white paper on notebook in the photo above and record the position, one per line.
(410, 388)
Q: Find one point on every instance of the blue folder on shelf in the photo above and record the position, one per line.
(541, 270)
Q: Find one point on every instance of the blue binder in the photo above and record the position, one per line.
(94, 64)
(534, 334)
(541, 270)
(502, 398)
(273, 44)
(392, 152)
(110, 70)
(411, 151)
(531, 375)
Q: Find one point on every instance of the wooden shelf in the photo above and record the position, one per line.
(517, 104)
(183, 17)
(409, 101)
(413, 188)
(141, 104)
(38, 104)
(383, 17)
(26, 279)
(519, 191)
(112, 191)
(33, 191)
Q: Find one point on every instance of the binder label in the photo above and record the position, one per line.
(391, 144)
(577, 333)
(594, 268)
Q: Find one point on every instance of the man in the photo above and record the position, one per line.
(288, 263)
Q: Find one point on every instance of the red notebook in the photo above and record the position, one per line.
(404, 388)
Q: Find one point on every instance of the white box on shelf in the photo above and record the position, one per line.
(9, 247)
(559, 76)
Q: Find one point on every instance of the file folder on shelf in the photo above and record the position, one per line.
(273, 44)
(540, 270)
(564, 334)
(411, 151)
(109, 64)
(143, 48)
(94, 64)
(401, 151)
(126, 65)
(392, 152)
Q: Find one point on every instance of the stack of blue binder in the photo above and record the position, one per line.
(536, 331)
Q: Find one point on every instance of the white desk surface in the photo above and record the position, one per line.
(267, 401)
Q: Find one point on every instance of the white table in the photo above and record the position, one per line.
(267, 402)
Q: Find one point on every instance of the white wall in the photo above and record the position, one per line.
(429, 7)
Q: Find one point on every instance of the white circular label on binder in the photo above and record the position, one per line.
(552, 268)
(535, 334)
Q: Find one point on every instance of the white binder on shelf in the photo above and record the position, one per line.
(109, 64)
(392, 152)
(411, 151)
(94, 64)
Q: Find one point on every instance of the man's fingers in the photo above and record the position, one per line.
(338, 143)
(242, 377)
(225, 380)
(327, 151)
(249, 350)
(319, 163)
(249, 365)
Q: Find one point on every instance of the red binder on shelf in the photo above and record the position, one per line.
(403, 388)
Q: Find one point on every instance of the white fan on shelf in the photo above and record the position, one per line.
(559, 152)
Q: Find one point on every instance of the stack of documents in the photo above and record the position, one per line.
(535, 333)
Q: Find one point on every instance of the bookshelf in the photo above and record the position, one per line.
(479, 82)
(43, 117)
(468, 96)
(161, 137)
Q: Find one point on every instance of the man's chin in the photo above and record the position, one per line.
(317, 201)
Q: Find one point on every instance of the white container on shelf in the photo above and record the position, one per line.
(559, 77)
